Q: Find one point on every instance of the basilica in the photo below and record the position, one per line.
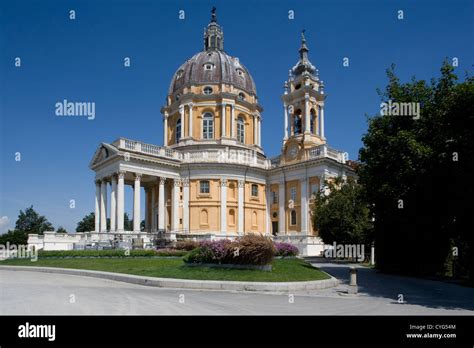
(211, 177)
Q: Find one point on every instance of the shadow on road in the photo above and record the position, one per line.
(414, 291)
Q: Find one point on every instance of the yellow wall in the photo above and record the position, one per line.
(211, 204)
(216, 110)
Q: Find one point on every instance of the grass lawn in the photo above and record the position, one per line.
(283, 270)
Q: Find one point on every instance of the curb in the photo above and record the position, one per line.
(186, 283)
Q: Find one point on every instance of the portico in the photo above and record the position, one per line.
(155, 204)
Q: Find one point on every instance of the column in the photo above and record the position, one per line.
(186, 205)
(113, 204)
(190, 129)
(153, 207)
(223, 206)
(233, 126)
(175, 206)
(281, 209)
(307, 116)
(165, 130)
(120, 201)
(103, 206)
(322, 121)
(161, 205)
(223, 117)
(304, 206)
(147, 209)
(286, 122)
(136, 204)
(240, 207)
(181, 115)
(97, 206)
(267, 212)
(255, 129)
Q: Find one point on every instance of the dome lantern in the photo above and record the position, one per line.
(213, 34)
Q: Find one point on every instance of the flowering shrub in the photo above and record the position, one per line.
(248, 250)
(285, 249)
(219, 250)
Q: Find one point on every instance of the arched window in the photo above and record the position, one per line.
(178, 130)
(232, 190)
(241, 129)
(293, 217)
(313, 121)
(207, 126)
(297, 122)
(232, 217)
(254, 218)
(203, 217)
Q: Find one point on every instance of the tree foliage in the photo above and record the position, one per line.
(417, 175)
(29, 221)
(87, 223)
(342, 216)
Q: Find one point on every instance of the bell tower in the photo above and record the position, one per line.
(303, 102)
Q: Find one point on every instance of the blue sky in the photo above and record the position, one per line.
(82, 60)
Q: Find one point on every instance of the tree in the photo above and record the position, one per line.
(29, 221)
(15, 237)
(61, 230)
(87, 223)
(417, 175)
(342, 216)
(127, 223)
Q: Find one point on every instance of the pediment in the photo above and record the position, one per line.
(103, 152)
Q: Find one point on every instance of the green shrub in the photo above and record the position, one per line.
(95, 253)
(200, 255)
(171, 252)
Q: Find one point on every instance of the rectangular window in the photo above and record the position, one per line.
(254, 190)
(293, 218)
(241, 131)
(293, 194)
(314, 190)
(274, 197)
(204, 186)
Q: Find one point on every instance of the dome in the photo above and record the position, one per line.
(213, 67)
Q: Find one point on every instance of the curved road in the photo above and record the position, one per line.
(34, 293)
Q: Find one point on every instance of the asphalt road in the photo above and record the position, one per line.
(33, 293)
